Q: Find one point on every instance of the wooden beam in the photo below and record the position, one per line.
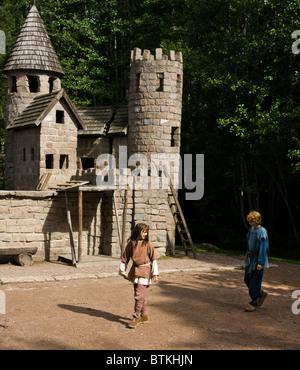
(70, 231)
(124, 221)
(79, 225)
(117, 216)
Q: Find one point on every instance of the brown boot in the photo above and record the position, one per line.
(144, 319)
(134, 322)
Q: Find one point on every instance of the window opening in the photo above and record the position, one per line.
(32, 154)
(178, 81)
(33, 82)
(160, 77)
(24, 154)
(137, 81)
(64, 161)
(51, 81)
(14, 84)
(60, 116)
(49, 161)
(87, 163)
(174, 136)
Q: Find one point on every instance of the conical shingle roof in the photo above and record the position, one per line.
(33, 49)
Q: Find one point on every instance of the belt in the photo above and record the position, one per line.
(145, 264)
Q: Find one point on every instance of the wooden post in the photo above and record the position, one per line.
(70, 231)
(118, 225)
(79, 225)
(124, 222)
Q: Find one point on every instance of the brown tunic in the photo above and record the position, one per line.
(141, 254)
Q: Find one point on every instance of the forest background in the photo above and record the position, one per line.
(241, 96)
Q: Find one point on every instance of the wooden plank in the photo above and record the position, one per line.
(69, 185)
(79, 225)
(124, 221)
(117, 216)
(41, 181)
(13, 251)
(44, 185)
(70, 231)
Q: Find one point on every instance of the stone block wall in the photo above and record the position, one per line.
(18, 97)
(143, 206)
(58, 139)
(39, 219)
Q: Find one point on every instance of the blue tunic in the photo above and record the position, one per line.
(258, 247)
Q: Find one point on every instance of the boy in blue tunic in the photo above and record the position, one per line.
(256, 260)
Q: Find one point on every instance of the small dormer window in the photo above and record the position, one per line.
(33, 82)
(60, 116)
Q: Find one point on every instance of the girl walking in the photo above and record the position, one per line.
(144, 267)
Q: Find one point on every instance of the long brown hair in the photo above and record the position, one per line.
(137, 231)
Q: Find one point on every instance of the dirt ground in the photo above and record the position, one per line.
(187, 311)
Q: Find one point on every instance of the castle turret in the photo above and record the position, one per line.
(155, 102)
(32, 69)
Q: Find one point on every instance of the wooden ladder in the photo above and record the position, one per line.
(179, 219)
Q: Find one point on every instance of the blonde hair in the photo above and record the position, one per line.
(254, 216)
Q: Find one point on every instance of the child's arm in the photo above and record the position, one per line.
(122, 270)
(263, 249)
(155, 271)
(124, 262)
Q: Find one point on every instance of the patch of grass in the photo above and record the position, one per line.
(237, 253)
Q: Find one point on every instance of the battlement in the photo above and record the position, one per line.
(138, 54)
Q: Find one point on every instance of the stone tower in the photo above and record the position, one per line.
(154, 115)
(155, 102)
(32, 69)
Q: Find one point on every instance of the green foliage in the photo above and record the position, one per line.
(241, 100)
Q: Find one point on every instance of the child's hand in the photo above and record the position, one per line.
(259, 267)
(125, 277)
(155, 278)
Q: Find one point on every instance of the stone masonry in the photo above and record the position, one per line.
(45, 133)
